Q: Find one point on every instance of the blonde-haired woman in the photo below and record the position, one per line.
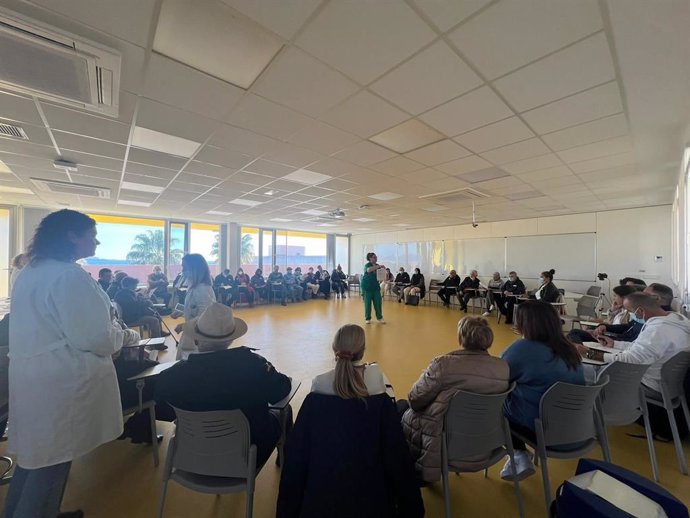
(351, 377)
(469, 368)
(347, 454)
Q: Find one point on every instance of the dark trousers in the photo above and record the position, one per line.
(497, 300)
(163, 294)
(446, 293)
(658, 417)
(510, 308)
(338, 288)
(401, 406)
(519, 444)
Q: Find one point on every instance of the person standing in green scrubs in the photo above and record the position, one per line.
(371, 289)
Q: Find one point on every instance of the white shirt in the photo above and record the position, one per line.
(197, 300)
(373, 379)
(64, 396)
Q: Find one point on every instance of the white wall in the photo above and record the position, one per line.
(627, 242)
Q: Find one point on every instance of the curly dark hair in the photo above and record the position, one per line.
(51, 238)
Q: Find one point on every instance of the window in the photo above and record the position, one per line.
(205, 240)
(305, 250)
(178, 245)
(281, 251)
(342, 252)
(134, 245)
(5, 254)
(249, 250)
(266, 251)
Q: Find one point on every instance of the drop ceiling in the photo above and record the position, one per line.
(546, 106)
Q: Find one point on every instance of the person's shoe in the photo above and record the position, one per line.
(161, 347)
(381, 321)
(399, 301)
(524, 467)
(367, 321)
(71, 514)
(343, 296)
(486, 313)
(491, 307)
(445, 305)
(464, 309)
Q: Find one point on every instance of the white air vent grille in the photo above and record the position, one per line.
(7, 130)
(49, 64)
(71, 188)
(457, 195)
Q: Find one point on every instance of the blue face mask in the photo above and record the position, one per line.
(541, 279)
(635, 318)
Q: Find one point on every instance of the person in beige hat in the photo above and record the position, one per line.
(216, 377)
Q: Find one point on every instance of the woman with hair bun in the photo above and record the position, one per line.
(547, 292)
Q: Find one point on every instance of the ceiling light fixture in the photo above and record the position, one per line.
(270, 193)
(386, 196)
(132, 186)
(245, 202)
(133, 203)
(218, 213)
(65, 165)
(163, 143)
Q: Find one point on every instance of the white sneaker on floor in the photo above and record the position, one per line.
(367, 322)
(486, 313)
(381, 321)
(524, 467)
(491, 307)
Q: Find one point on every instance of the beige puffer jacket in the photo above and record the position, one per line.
(473, 371)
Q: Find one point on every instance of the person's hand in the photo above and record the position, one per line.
(179, 327)
(605, 341)
(131, 337)
(582, 349)
(599, 330)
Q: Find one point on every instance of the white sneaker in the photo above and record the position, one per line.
(524, 467)
(367, 322)
(486, 313)
(491, 307)
(381, 321)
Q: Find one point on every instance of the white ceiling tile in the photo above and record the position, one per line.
(416, 85)
(93, 160)
(205, 169)
(364, 153)
(145, 138)
(167, 119)
(495, 135)
(365, 114)
(397, 166)
(299, 81)
(89, 145)
(153, 158)
(307, 177)
(517, 151)
(483, 176)
(560, 74)
(542, 174)
(586, 106)
(262, 116)
(292, 155)
(19, 108)
(284, 17)
(409, 135)
(446, 185)
(423, 176)
(464, 165)
(83, 124)
(438, 153)
(268, 168)
(532, 164)
(323, 138)
(608, 127)
(242, 140)
(344, 34)
(181, 86)
(603, 148)
(246, 178)
(508, 35)
(468, 112)
(448, 13)
(606, 162)
(223, 157)
(210, 37)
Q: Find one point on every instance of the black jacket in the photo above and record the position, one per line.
(402, 278)
(418, 281)
(133, 306)
(549, 292)
(223, 280)
(516, 288)
(113, 289)
(257, 281)
(467, 282)
(625, 332)
(348, 458)
(452, 282)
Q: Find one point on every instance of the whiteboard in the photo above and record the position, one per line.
(573, 256)
(484, 255)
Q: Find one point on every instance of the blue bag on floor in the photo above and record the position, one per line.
(574, 502)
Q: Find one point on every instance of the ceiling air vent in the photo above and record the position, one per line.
(50, 64)
(56, 187)
(7, 130)
(457, 195)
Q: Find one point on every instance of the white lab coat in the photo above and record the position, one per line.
(64, 396)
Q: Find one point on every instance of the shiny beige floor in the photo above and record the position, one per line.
(118, 479)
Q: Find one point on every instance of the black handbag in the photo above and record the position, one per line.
(412, 300)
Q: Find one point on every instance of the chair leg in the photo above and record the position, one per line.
(250, 504)
(676, 439)
(444, 475)
(486, 472)
(546, 482)
(650, 444)
(162, 501)
(154, 434)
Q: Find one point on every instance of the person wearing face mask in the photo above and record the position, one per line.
(468, 288)
(494, 287)
(244, 285)
(417, 286)
(513, 288)
(450, 288)
(547, 292)
(664, 334)
(401, 281)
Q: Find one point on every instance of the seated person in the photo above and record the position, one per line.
(511, 289)
(158, 285)
(294, 290)
(402, 280)
(259, 284)
(180, 287)
(218, 378)
(470, 368)
(276, 285)
(347, 456)
(417, 286)
(492, 295)
(450, 288)
(632, 281)
(311, 283)
(137, 310)
(243, 284)
(105, 277)
(116, 284)
(619, 320)
(662, 293)
(387, 284)
(339, 282)
(468, 288)
(664, 335)
(547, 292)
(538, 360)
(324, 281)
(224, 286)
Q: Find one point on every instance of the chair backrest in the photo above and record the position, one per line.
(212, 443)
(474, 423)
(620, 398)
(586, 306)
(594, 291)
(567, 412)
(673, 374)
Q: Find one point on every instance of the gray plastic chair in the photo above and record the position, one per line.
(151, 407)
(586, 308)
(568, 426)
(474, 424)
(211, 452)
(672, 396)
(621, 402)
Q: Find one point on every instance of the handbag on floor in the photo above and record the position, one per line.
(412, 300)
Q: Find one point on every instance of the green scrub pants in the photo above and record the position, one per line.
(375, 297)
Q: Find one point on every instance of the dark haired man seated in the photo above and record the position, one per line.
(136, 310)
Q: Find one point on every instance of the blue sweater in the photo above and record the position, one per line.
(534, 369)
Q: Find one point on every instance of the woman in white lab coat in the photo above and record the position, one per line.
(64, 398)
(199, 296)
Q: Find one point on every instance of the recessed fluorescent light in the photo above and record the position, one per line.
(393, 215)
(164, 143)
(307, 177)
(133, 203)
(131, 186)
(245, 202)
(312, 212)
(386, 196)
(363, 220)
(218, 213)
(362, 229)
(436, 208)
(325, 225)
(15, 190)
(269, 193)
(400, 225)
(4, 168)
(407, 136)
(280, 220)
